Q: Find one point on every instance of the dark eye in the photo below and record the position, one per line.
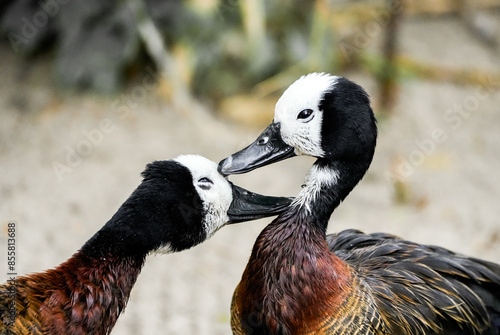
(305, 114)
(205, 183)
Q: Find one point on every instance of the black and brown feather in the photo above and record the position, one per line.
(422, 289)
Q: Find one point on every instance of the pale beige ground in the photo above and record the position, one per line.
(454, 192)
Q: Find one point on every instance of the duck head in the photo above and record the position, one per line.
(179, 204)
(210, 202)
(323, 116)
(319, 115)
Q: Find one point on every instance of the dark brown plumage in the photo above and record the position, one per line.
(81, 296)
(300, 281)
(421, 289)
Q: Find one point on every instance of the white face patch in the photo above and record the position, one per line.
(214, 190)
(301, 132)
(317, 179)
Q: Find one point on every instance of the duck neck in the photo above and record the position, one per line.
(88, 292)
(327, 184)
(118, 238)
(141, 225)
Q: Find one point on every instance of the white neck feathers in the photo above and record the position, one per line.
(317, 179)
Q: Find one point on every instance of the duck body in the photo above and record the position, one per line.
(423, 289)
(179, 204)
(301, 281)
(283, 293)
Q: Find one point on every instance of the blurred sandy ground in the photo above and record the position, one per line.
(453, 193)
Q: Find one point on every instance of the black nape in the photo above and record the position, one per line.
(349, 131)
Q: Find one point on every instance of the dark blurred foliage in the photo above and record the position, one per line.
(220, 48)
(95, 42)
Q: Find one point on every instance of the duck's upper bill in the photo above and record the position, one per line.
(268, 148)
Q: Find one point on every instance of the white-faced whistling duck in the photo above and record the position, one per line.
(179, 204)
(300, 281)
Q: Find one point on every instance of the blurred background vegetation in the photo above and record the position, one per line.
(229, 53)
(67, 67)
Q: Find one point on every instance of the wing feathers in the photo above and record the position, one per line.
(421, 289)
